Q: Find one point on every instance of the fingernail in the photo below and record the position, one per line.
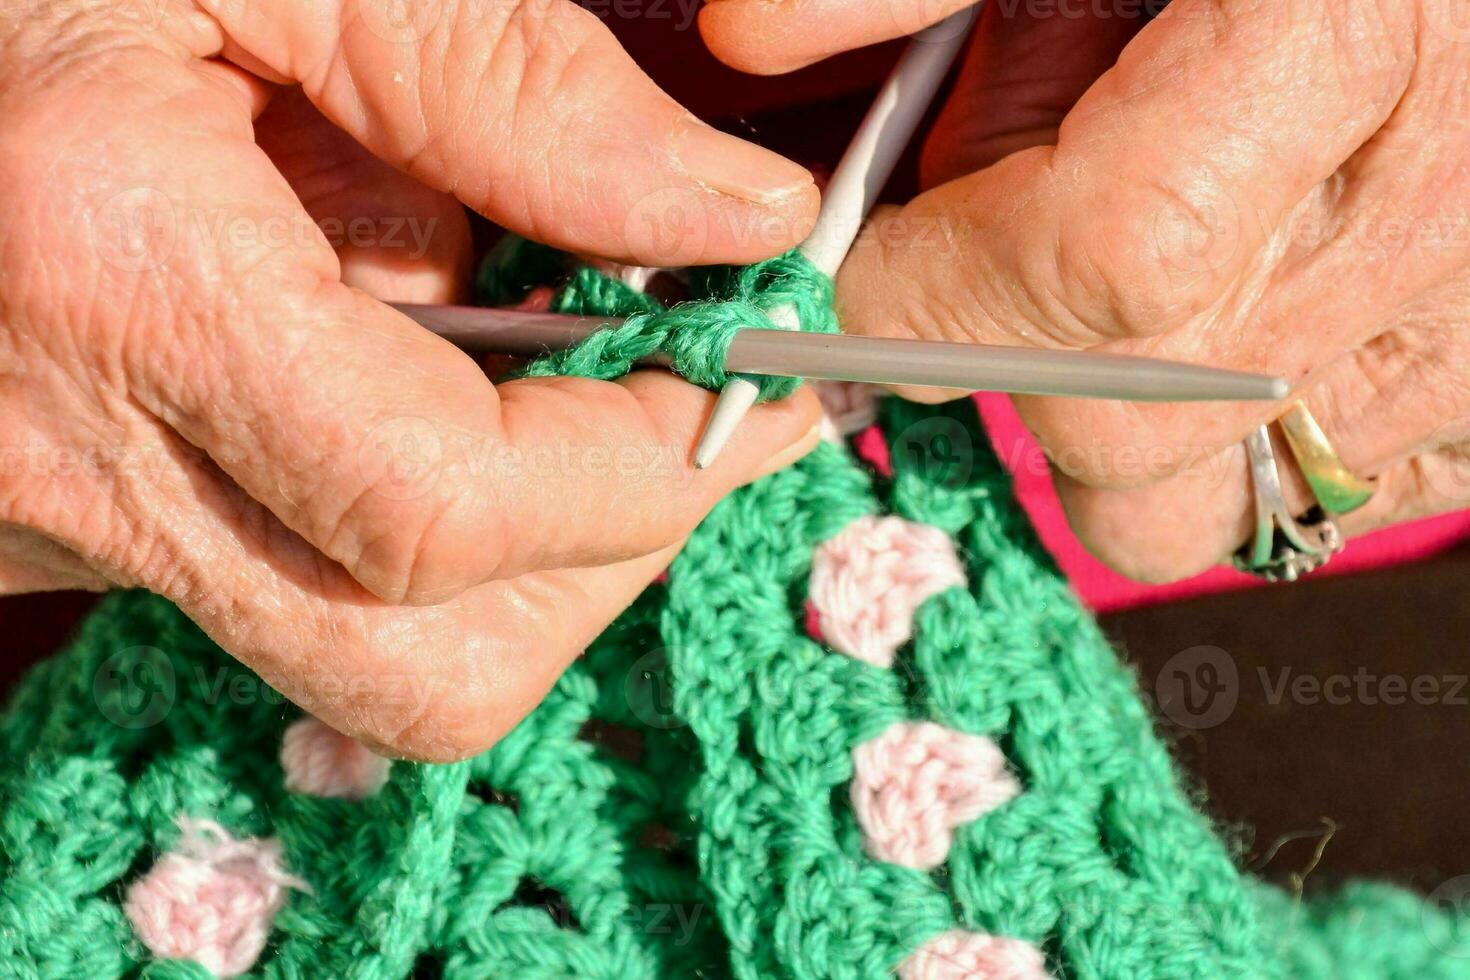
(793, 452)
(729, 165)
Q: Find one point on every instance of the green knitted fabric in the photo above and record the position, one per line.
(678, 806)
(695, 334)
(514, 267)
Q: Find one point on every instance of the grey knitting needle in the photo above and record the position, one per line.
(840, 357)
(865, 167)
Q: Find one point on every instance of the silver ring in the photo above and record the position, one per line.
(1284, 548)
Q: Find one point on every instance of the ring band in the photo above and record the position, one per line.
(1332, 483)
(1282, 548)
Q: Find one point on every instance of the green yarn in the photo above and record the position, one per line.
(677, 807)
(695, 335)
(1366, 932)
(589, 292)
(514, 267)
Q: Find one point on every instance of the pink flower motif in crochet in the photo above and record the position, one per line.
(321, 761)
(916, 782)
(869, 580)
(212, 900)
(961, 955)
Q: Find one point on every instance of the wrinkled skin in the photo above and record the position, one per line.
(201, 395)
(1270, 185)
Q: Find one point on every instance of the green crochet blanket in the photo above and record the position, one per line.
(680, 805)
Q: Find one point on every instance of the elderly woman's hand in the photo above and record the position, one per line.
(200, 396)
(1272, 185)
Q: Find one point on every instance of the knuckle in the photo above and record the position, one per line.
(1154, 552)
(448, 719)
(447, 735)
(418, 685)
(1149, 255)
(409, 507)
(422, 551)
(455, 552)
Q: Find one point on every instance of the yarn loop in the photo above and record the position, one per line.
(695, 335)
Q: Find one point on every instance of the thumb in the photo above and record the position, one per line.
(768, 38)
(1013, 89)
(532, 114)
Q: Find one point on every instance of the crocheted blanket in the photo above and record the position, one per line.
(861, 729)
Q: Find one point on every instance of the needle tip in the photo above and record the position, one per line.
(736, 399)
(1280, 388)
(707, 450)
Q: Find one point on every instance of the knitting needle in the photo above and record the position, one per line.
(865, 167)
(841, 357)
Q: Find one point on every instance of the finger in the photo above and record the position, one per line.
(1152, 207)
(1375, 409)
(253, 91)
(1294, 332)
(533, 115)
(380, 444)
(388, 449)
(1024, 71)
(395, 238)
(437, 683)
(551, 617)
(1162, 534)
(1011, 94)
(1367, 263)
(1189, 521)
(770, 38)
(32, 562)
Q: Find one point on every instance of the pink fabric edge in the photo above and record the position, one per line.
(1104, 590)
